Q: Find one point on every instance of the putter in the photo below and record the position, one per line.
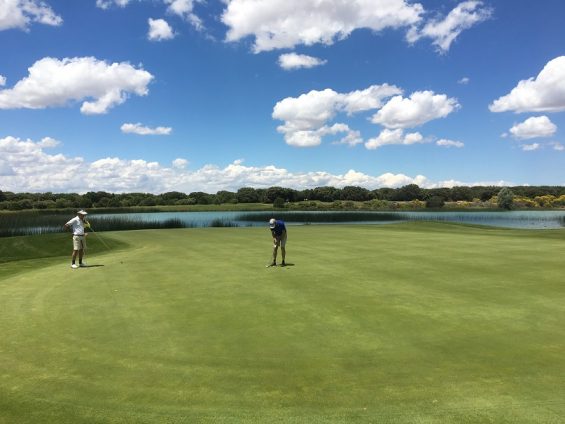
(99, 236)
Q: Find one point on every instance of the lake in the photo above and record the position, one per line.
(508, 219)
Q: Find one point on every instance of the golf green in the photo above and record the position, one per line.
(405, 323)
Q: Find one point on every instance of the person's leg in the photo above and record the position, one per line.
(76, 248)
(275, 249)
(81, 250)
(283, 249)
(276, 244)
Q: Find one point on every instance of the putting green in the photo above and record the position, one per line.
(409, 323)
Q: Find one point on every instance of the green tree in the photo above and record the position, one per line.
(461, 193)
(407, 193)
(505, 198)
(435, 202)
(224, 196)
(278, 203)
(247, 195)
(326, 194)
(358, 194)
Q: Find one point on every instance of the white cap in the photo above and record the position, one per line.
(272, 223)
(82, 212)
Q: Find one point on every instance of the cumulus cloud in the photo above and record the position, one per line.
(277, 24)
(464, 81)
(159, 30)
(305, 117)
(184, 9)
(105, 4)
(291, 61)
(180, 163)
(449, 143)
(28, 166)
(421, 107)
(530, 147)
(21, 13)
(140, 129)
(545, 93)
(54, 83)
(444, 31)
(181, 8)
(387, 137)
(2, 80)
(534, 127)
(557, 146)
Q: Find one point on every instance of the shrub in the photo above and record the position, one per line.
(546, 201)
(505, 199)
(435, 202)
(278, 203)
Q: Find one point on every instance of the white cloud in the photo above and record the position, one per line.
(557, 146)
(368, 99)
(140, 129)
(464, 81)
(534, 127)
(421, 107)
(305, 117)
(52, 83)
(48, 142)
(26, 166)
(443, 32)
(2, 80)
(5, 169)
(545, 93)
(530, 147)
(159, 30)
(181, 8)
(180, 163)
(388, 137)
(21, 13)
(105, 4)
(449, 143)
(184, 9)
(277, 24)
(291, 61)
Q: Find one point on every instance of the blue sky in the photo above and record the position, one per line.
(208, 95)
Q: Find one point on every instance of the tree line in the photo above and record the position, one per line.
(276, 195)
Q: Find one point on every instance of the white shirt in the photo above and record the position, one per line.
(77, 226)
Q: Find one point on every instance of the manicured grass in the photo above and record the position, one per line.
(407, 323)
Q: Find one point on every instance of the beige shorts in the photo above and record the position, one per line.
(79, 242)
(281, 241)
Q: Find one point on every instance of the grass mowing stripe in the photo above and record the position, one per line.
(405, 323)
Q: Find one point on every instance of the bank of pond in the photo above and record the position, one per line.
(16, 224)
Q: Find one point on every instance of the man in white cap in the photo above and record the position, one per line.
(77, 225)
(278, 231)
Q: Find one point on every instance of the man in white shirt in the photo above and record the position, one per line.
(76, 225)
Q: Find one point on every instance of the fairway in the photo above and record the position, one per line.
(404, 323)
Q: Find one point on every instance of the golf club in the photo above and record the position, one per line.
(98, 235)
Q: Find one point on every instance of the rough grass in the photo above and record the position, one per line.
(409, 323)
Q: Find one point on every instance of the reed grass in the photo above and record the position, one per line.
(322, 217)
(12, 225)
(222, 223)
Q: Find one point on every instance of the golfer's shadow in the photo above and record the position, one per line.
(93, 266)
(288, 264)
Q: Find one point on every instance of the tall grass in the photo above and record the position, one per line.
(33, 224)
(322, 217)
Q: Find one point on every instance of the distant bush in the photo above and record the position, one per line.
(546, 201)
(278, 203)
(505, 199)
(435, 202)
